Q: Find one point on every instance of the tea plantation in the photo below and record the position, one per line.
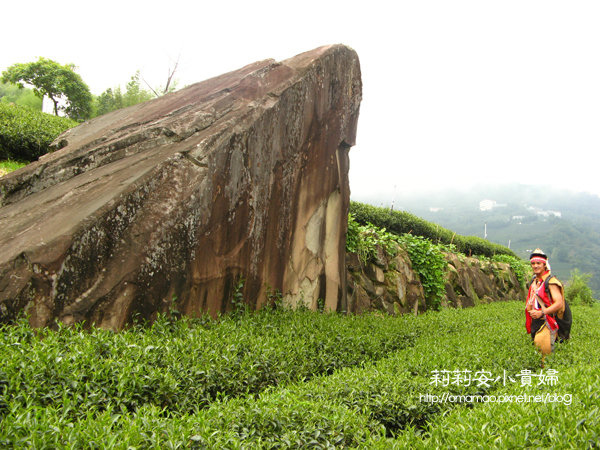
(282, 379)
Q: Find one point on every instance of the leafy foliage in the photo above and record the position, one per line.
(428, 261)
(26, 134)
(10, 166)
(518, 424)
(185, 364)
(400, 222)
(577, 291)
(364, 240)
(138, 388)
(113, 99)
(427, 258)
(55, 81)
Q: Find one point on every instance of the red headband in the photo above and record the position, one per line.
(538, 259)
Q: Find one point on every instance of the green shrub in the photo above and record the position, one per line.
(429, 262)
(577, 291)
(426, 257)
(365, 239)
(25, 134)
(541, 421)
(400, 222)
(182, 365)
(375, 404)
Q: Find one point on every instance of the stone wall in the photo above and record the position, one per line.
(384, 284)
(470, 281)
(391, 285)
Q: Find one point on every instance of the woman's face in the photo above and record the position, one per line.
(538, 267)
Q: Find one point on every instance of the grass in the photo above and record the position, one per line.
(8, 166)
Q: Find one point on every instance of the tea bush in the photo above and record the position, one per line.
(565, 415)
(26, 134)
(377, 403)
(401, 222)
(182, 365)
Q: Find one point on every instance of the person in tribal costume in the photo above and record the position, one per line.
(546, 310)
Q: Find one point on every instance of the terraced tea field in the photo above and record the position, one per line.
(282, 379)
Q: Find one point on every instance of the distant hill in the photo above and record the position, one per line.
(566, 225)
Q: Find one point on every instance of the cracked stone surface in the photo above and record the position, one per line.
(174, 201)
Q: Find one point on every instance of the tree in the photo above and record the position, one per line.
(109, 101)
(55, 81)
(169, 86)
(112, 98)
(134, 93)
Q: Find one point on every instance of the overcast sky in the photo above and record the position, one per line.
(454, 92)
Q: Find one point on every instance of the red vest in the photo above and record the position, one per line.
(537, 294)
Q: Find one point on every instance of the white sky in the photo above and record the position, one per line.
(454, 92)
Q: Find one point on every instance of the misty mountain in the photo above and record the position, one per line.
(566, 225)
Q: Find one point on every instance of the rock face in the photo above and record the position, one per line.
(240, 180)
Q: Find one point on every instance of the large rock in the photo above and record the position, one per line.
(240, 178)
